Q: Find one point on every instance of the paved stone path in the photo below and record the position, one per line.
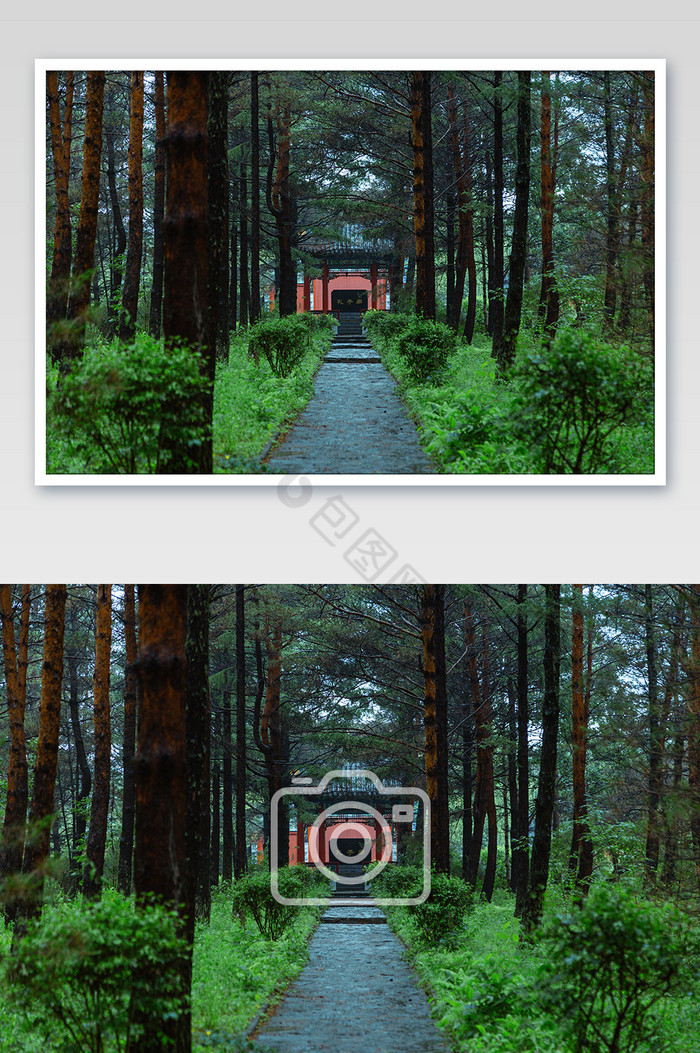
(356, 423)
(356, 995)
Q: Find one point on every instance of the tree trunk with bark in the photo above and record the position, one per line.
(241, 858)
(160, 856)
(186, 245)
(549, 293)
(432, 622)
(154, 324)
(280, 200)
(218, 197)
(132, 269)
(484, 788)
(518, 254)
(227, 785)
(71, 346)
(498, 282)
(521, 851)
(465, 262)
(15, 658)
(423, 204)
(99, 804)
(198, 729)
(36, 848)
(647, 154)
(581, 856)
(612, 235)
(126, 844)
(531, 915)
(61, 133)
(254, 307)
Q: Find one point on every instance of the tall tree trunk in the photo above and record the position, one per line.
(154, 324)
(432, 621)
(227, 807)
(613, 212)
(268, 729)
(233, 256)
(126, 844)
(118, 240)
(218, 197)
(498, 290)
(646, 145)
(521, 853)
(694, 726)
(160, 856)
(279, 201)
(546, 783)
(581, 856)
(13, 829)
(41, 810)
(84, 260)
(484, 789)
(549, 294)
(465, 262)
(467, 810)
(61, 133)
(198, 729)
(240, 861)
(132, 270)
(99, 804)
(511, 779)
(254, 308)
(215, 851)
(518, 254)
(655, 738)
(423, 205)
(243, 239)
(186, 244)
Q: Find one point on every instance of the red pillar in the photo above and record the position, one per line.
(307, 293)
(300, 842)
(391, 286)
(325, 287)
(322, 842)
(374, 278)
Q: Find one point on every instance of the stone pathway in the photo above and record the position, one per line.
(356, 423)
(356, 995)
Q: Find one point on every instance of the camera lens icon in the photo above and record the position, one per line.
(349, 831)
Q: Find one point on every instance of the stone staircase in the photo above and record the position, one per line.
(350, 344)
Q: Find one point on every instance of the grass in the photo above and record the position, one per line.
(482, 984)
(466, 415)
(236, 972)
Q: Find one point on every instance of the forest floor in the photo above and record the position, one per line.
(357, 992)
(355, 424)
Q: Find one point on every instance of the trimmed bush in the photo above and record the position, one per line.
(252, 895)
(425, 346)
(283, 342)
(442, 914)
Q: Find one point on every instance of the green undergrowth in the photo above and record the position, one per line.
(106, 416)
(585, 407)
(80, 965)
(252, 404)
(237, 972)
(492, 992)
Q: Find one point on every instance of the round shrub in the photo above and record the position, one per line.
(442, 913)
(425, 346)
(283, 342)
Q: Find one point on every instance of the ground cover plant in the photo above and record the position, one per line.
(579, 406)
(106, 416)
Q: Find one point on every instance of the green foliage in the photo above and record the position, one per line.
(72, 973)
(398, 880)
(425, 346)
(282, 341)
(236, 971)
(109, 410)
(251, 403)
(252, 895)
(574, 396)
(441, 915)
(382, 326)
(610, 963)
